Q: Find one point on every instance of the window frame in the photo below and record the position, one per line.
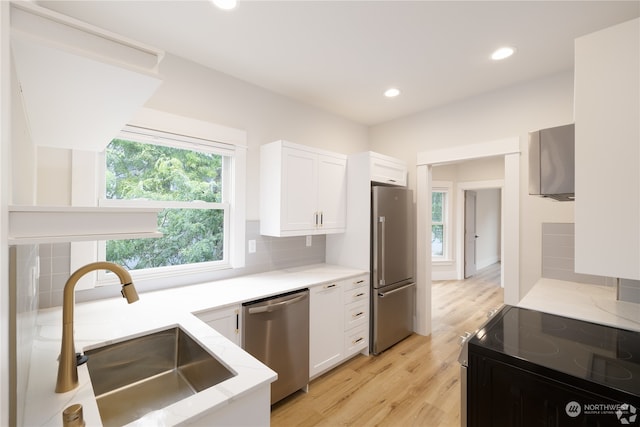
(445, 187)
(180, 132)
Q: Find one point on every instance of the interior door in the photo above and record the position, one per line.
(469, 233)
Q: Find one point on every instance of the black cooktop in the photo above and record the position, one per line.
(596, 353)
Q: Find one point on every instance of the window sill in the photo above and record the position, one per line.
(441, 261)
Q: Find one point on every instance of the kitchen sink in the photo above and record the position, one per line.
(147, 373)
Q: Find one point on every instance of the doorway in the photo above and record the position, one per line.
(509, 149)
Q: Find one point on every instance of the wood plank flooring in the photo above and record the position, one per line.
(415, 383)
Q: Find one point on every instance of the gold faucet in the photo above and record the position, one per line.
(67, 365)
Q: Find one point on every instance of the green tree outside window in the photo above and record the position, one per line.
(141, 171)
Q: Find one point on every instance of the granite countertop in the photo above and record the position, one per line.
(101, 322)
(593, 303)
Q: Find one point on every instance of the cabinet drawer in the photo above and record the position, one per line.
(357, 294)
(356, 314)
(356, 340)
(356, 282)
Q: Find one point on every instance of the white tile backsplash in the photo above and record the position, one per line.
(629, 290)
(272, 253)
(23, 281)
(558, 256)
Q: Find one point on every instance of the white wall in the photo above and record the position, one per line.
(195, 91)
(5, 125)
(501, 114)
(204, 94)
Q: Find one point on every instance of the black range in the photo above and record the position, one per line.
(532, 368)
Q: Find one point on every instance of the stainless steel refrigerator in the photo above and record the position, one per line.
(392, 266)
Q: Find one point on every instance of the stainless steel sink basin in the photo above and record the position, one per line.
(143, 374)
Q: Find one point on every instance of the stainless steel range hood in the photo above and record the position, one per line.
(552, 163)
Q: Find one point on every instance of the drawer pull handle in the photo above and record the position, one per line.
(358, 295)
(333, 285)
(358, 282)
(357, 341)
(358, 314)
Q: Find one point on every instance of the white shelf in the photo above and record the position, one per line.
(53, 224)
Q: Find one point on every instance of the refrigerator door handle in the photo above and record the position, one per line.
(382, 221)
(384, 294)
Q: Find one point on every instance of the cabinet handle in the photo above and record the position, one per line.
(315, 215)
(321, 218)
(333, 285)
(358, 282)
(358, 295)
(357, 314)
(391, 180)
(357, 341)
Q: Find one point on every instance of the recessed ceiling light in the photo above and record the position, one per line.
(391, 92)
(502, 53)
(225, 4)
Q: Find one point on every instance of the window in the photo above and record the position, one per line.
(187, 183)
(440, 220)
(193, 172)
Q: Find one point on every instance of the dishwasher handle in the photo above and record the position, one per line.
(268, 308)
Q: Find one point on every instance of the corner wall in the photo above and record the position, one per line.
(510, 112)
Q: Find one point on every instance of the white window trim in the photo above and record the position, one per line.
(225, 140)
(446, 187)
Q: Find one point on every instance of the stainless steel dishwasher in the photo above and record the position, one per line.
(275, 330)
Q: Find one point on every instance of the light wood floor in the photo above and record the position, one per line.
(415, 383)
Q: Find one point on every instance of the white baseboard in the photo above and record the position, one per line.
(487, 262)
(443, 275)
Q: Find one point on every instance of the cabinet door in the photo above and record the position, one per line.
(326, 327)
(299, 190)
(388, 171)
(332, 192)
(226, 321)
(607, 149)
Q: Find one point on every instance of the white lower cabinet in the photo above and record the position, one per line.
(326, 327)
(225, 320)
(339, 322)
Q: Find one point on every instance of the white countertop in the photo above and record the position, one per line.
(593, 303)
(100, 322)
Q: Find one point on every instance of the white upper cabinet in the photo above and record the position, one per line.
(607, 149)
(80, 84)
(387, 170)
(303, 191)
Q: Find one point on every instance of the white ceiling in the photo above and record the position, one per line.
(342, 55)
